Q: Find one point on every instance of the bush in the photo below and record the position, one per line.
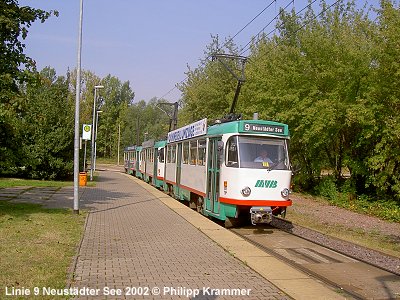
(327, 189)
(385, 209)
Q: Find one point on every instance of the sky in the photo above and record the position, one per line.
(149, 43)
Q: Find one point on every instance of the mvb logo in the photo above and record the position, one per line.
(266, 183)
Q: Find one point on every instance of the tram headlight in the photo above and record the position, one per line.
(246, 191)
(285, 193)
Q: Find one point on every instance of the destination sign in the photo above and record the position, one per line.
(276, 129)
(190, 131)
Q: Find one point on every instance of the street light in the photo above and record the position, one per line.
(95, 138)
(77, 103)
(93, 131)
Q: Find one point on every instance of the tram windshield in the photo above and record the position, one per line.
(257, 153)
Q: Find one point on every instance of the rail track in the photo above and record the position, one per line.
(354, 270)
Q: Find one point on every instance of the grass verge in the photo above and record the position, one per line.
(37, 246)
(11, 182)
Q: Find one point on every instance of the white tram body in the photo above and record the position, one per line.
(227, 170)
(130, 160)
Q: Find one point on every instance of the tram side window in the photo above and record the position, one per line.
(232, 153)
(193, 152)
(161, 155)
(202, 153)
(220, 153)
(173, 154)
(185, 149)
(169, 149)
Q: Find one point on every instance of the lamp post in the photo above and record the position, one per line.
(77, 102)
(95, 139)
(93, 131)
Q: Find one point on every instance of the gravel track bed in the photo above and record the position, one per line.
(376, 258)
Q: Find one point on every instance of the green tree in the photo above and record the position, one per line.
(115, 99)
(314, 76)
(145, 121)
(47, 128)
(383, 126)
(15, 69)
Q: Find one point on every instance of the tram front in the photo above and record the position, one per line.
(257, 173)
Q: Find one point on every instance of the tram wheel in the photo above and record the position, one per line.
(200, 204)
(170, 190)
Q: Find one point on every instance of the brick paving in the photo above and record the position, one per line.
(134, 243)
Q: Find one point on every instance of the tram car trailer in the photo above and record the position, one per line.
(219, 169)
(130, 160)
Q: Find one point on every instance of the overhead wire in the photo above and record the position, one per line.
(225, 44)
(262, 30)
(252, 20)
(244, 49)
(314, 18)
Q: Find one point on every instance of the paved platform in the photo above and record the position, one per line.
(141, 244)
(140, 241)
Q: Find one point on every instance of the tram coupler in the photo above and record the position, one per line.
(260, 215)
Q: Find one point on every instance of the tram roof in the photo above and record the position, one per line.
(160, 143)
(250, 126)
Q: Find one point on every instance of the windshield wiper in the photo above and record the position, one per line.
(277, 164)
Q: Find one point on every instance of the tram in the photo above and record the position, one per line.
(228, 171)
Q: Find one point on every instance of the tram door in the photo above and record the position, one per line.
(155, 165)
(215, 150)
(178, 168)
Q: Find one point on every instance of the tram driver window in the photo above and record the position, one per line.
(251, 148)
(232, 153)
